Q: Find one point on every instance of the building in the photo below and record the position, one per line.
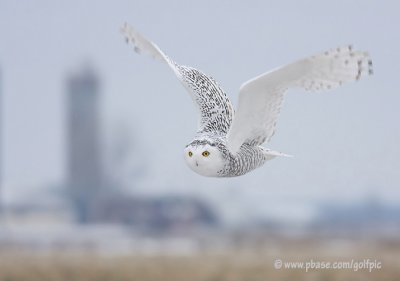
(369, 217)
(164, 214)
(84, 175)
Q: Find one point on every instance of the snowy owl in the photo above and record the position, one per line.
(228, 143)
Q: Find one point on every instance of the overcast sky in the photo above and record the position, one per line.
(345, 142)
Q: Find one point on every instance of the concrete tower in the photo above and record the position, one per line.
(83, 141)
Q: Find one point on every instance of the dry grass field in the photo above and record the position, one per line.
(235, 265)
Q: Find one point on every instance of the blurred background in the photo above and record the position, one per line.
(93, 185)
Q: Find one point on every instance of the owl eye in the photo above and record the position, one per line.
(190, 154)
(205, 153)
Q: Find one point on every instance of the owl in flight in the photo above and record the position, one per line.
(228, 143)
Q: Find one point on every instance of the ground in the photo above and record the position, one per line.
(243, 263)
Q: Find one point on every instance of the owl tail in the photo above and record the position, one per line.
(272, 154)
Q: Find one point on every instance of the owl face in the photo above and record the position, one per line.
(205, 160)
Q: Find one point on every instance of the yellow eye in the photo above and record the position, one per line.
(190, 154)
(205, 153)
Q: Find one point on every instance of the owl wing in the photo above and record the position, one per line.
(260, 98)
(216, 110)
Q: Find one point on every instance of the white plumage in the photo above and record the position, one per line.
(228, 143)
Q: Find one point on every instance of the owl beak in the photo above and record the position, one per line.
(197, 164)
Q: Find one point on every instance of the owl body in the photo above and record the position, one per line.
(210, 156)
(228, 143)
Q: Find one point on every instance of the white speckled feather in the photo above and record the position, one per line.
(215, 108)
(260, 98)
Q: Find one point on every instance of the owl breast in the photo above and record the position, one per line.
(247, 159)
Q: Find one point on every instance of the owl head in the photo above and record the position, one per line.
(204, 159)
